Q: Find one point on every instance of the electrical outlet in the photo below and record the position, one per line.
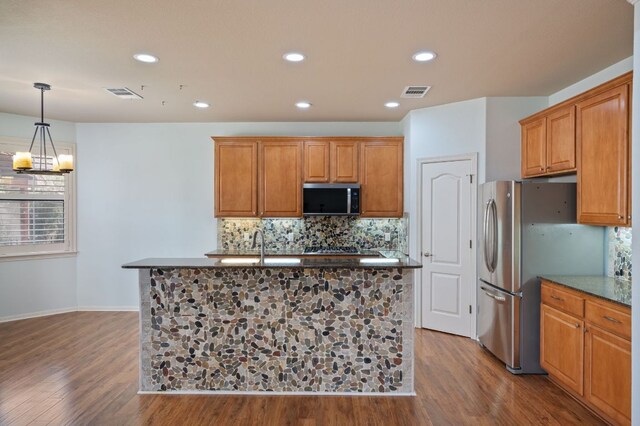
(387, 236)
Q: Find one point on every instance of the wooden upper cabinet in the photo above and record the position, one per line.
(561, 141)
(534, 151)
(280, 187)
(549, 144)
(562, 347)
(263, 176)
(608, 374)
(602, 130)
(331, 161)
(381, 177)
(236, 179)
(316, 161)
(344, 161)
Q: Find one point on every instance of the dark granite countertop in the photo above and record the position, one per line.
(286, 253)
(616, 290)
(207, 263)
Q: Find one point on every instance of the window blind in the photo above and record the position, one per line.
(32, 207)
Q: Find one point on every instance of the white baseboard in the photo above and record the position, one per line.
(67, 310)
(38, 314)
(109, 308)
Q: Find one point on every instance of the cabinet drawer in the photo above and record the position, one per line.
(562, 300)
(610, 319)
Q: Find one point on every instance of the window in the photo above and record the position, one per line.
(36, 211)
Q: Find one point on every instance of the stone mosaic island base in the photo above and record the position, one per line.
(276, 329)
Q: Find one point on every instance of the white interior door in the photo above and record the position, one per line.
(447, 272)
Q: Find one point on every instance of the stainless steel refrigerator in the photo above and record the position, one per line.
(527, 229)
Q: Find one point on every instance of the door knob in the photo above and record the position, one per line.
(427, 254)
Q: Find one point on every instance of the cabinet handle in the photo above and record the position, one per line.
(541, 168)
(619, 217)
(629, 217)
(577, 325)
(557, 298)
(608, 318)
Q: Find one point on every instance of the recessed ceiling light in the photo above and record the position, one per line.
(200, 104)
(392, 104)
(293, 57)
(145, 57)
(424, 56)
(303, 104)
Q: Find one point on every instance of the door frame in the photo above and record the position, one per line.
(473, 157)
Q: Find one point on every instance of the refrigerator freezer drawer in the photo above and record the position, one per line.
(499, 324)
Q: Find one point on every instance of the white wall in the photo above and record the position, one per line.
(32, 287)
(594, 80)
(503, 134)
(635, 239)
(445, 130)
(146, 190)
(487, 126)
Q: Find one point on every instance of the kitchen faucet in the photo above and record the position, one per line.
(255, 235)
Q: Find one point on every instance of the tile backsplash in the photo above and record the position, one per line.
(619, 255)
(294, 234)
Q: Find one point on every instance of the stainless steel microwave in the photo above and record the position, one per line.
(333, 199)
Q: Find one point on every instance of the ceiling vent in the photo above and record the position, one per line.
(124, 93)
(415, 91)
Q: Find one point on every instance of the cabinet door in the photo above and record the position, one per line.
(561, 141)
(316, 161)
(534, 141)
(344, 161)
(381, 178)
(608, 374)
(236, 179)
(603, 158)
(562, 347)
(280, 193)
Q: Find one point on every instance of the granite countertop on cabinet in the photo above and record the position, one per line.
(613, 289)
(308, 263)
(292, 252)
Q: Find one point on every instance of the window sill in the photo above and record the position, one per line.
(37, 255)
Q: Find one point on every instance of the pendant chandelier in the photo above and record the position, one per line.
(23, 162)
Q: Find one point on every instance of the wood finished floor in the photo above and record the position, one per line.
(82, 368)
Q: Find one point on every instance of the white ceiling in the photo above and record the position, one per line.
(359, 55)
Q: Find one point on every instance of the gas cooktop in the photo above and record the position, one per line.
(331, 250)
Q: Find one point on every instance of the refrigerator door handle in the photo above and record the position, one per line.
(490, 241)
(494, 296)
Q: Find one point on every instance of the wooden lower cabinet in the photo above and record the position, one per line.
(608, 374)
(588, 354)
(562, 347)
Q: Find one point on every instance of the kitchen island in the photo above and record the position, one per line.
(325, 325)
